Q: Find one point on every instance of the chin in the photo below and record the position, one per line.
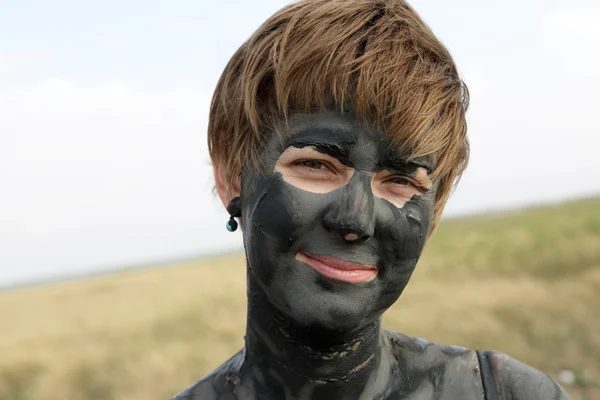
(330, 316)
(312, 300)
(309, 299)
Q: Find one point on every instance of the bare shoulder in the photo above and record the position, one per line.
(218, 385)
(519, 381)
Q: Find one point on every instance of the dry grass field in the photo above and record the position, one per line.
(525, 282)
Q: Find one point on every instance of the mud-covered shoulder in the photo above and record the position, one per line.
(220, 384)
(434, 370)
(421, 353)
(519, 381)
(423, 347)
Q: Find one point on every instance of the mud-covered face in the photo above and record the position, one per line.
(335, 227)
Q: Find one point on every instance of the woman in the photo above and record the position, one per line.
(337, 132)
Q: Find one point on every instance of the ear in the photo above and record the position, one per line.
(227, 187)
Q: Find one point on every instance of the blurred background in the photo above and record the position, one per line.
(119, 279)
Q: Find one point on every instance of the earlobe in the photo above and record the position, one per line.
(227, 186)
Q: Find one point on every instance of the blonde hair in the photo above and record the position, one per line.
(377, 55)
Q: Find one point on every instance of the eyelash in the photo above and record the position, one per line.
(303, 163)
(408, 181)
(327, 166)
(401, 178)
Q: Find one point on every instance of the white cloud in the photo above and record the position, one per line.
(532, 119)
(98, 174)
(103, 173)
(58, 99)
(15, 61)
(569, 39)
(572, 23)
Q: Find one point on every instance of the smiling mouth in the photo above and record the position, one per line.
(337, 269)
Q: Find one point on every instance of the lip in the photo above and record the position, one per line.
(337, 269)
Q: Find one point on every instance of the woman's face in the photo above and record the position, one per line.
(334, 229)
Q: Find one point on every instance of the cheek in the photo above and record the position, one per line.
(403, 231)
(267, 212)
(277, 216)
(266, 228)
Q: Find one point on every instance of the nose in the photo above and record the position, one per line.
(351, 212)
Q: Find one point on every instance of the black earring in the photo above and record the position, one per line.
(234, 211)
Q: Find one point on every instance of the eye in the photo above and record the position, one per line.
(313, 164)
(398, 187)
(401, 181)
(312, 171)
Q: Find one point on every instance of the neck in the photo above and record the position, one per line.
(292, 361)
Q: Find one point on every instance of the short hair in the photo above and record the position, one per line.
(377, 55)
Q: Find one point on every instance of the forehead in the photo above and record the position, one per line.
(343, 136)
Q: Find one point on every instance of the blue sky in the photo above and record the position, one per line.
(103, 112)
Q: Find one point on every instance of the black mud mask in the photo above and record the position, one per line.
(282, 220)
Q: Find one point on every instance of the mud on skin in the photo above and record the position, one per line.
(335, 188)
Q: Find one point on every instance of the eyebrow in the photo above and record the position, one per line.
(411, 168)
(397, 157)
(337, 143)
(323, 140)
(401, 164)
(423, 163)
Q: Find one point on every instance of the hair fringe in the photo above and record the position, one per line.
(376, 56)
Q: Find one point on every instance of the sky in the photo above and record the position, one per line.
(104, 109)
